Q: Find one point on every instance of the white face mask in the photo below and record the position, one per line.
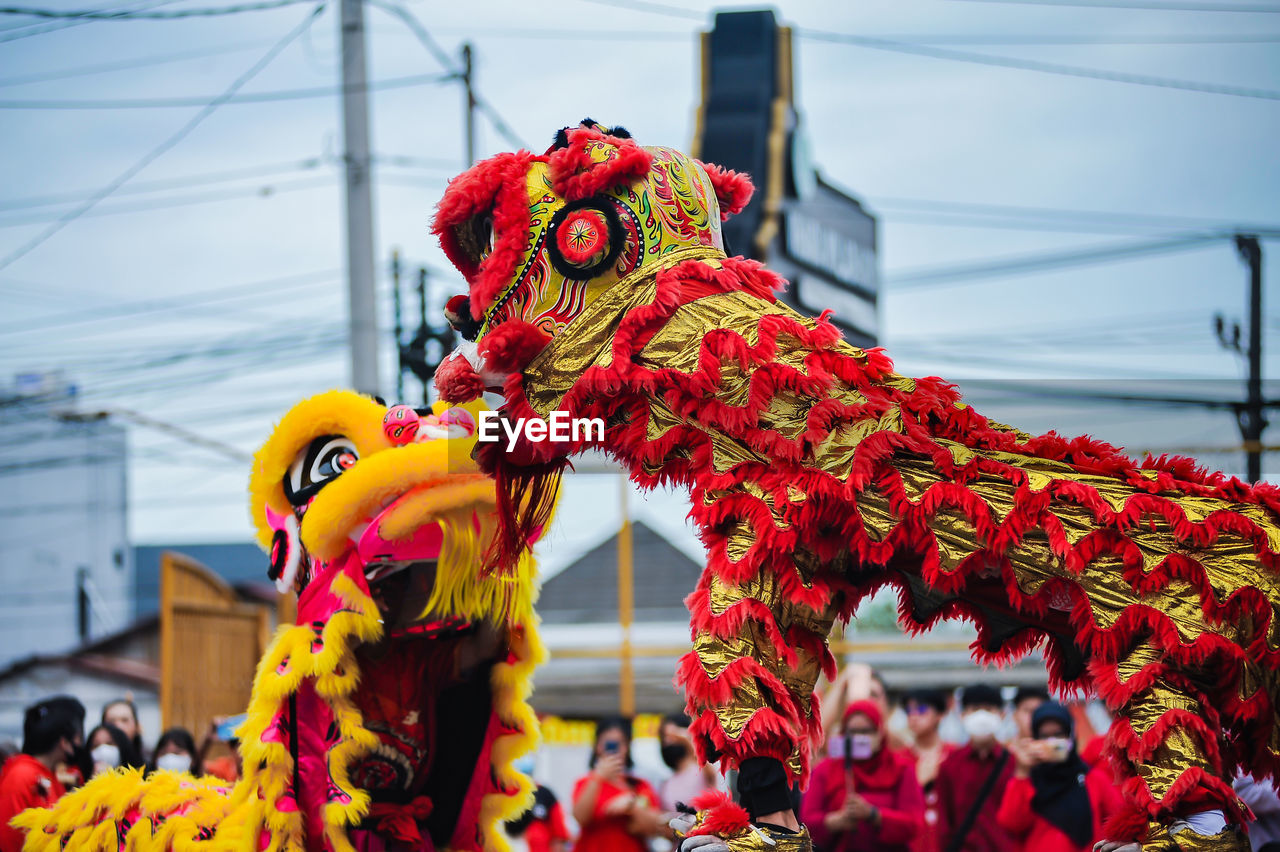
(981, 724)
(174, 762)
(106, 754)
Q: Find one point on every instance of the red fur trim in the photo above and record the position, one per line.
(457, 381)
(924, 419)
(733, 189)
(496, 185)
(512, 345)
(723, 817)
(575, 175)
(1129, 824)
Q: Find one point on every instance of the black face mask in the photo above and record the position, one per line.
(673, 754)
(81, 758)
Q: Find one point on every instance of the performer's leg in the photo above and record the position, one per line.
(1166, 746)
(759, 647)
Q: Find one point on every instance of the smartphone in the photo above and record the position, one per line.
(612, 747)
(1057, 749)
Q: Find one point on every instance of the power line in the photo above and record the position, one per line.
(104, 15)
(932, 52)
(1050, 39)
(174, 431)
(653, 8)
(183, 182)
(424, 37)
(200, 298)
(916, 279)
(1006, 39)
(251, 98)
(164, 146)
(27, 30)
(1059, 215)
(258, 191)
(1038, 66)
(125, 65)
(1153, 5)
(224, 176)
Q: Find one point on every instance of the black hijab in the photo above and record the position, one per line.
(1061, 796)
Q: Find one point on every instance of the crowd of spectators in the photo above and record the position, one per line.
(1023, 775)
(56, 756)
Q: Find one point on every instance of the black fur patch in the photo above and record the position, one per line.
(562, 135)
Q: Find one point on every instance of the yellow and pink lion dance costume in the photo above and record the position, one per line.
(387, 718)
(600, 287)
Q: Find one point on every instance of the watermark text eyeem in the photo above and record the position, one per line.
(558, 427)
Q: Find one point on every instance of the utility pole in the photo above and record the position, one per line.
(398, 329)
(470, 104)
(361, 295)
(82, 603)
(626, 607)
(1251, 418)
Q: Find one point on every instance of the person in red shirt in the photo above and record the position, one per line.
(1054, 802)
(972, 779)
(542, 827)
(865, 795)
(52, 735)
(617, 811)
(925, 709)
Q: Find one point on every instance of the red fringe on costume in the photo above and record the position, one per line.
(829, 521)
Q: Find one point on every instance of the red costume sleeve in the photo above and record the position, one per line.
(1015, 814)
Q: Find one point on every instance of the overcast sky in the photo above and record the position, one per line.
(208, 290)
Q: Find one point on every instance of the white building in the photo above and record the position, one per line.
(66, 568)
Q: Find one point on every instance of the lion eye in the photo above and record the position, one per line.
(324, 460)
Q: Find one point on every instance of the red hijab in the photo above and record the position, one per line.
(883, 770)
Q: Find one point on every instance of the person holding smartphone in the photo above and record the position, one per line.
(864, 797)
(617, 811)
(1054, 802)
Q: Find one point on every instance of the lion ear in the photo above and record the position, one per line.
(593, 161)
(733, 189)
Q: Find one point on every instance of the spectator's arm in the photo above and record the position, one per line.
(585, 797)
(1015, 814)
(647, 818)
(902, 823)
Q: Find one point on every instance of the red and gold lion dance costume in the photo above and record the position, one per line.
(387, 718)
(599, 286)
